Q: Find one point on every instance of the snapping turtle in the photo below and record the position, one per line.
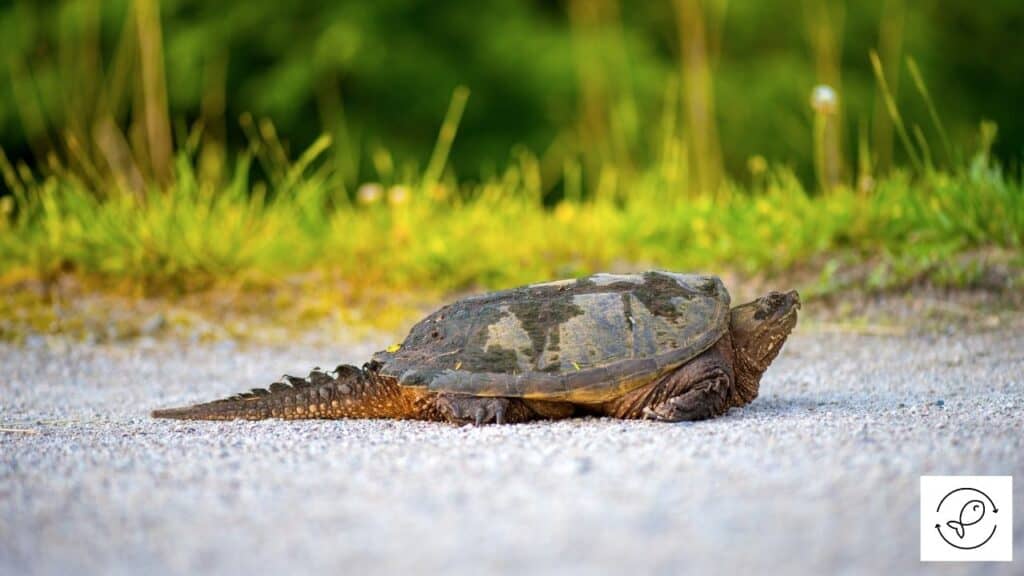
(656, 345)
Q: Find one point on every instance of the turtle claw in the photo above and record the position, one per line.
(663, 413)
(479, 415)
(669, 411)
(688, 407)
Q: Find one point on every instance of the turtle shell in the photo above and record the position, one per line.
(584, 340)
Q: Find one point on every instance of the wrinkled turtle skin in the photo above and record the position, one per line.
(587, 340)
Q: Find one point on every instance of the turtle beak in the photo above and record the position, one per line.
(793, 299)
(782, 304)
(787, 313)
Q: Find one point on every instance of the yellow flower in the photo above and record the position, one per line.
(437, 245)
(565, 212)
(394, 348)
(438, 192)
(762, 206)
(757, 165)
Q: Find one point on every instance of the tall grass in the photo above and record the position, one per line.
(440, 233)
(122, 204)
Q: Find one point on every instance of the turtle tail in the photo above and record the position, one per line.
(347, 392)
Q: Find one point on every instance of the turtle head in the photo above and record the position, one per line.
(759, 329)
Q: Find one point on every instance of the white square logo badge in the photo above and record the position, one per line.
(966, 518)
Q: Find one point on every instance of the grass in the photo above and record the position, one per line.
(440, 234)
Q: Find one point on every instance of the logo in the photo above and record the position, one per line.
(966, 518)
(971, 514)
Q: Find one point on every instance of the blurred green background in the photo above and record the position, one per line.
(344, 152)
(588, 79)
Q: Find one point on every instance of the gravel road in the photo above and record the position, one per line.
(818, 475)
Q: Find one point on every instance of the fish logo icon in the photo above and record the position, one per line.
(968, 530)
(972, 513)
(966, 518)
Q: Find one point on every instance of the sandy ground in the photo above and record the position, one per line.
(818, 475)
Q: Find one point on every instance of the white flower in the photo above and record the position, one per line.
(824, 99)
(398, 195)
(369, 193)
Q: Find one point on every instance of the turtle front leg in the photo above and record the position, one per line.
(696, 390)
(703, 399)
(479, 410)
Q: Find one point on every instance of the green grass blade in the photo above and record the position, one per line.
(894, 112)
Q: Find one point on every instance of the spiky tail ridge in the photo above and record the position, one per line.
(347, 392)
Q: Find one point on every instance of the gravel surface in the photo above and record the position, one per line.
(819, 475)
